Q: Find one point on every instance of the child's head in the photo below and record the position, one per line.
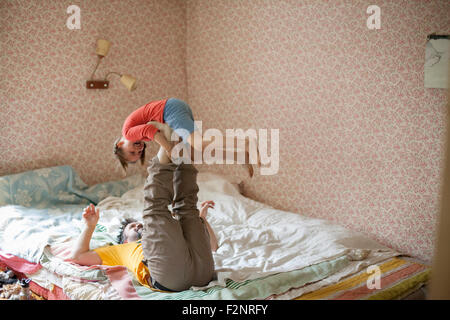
(129, 152)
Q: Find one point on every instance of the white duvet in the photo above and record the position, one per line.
(255, 240)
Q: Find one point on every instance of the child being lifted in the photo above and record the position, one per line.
(178, 116)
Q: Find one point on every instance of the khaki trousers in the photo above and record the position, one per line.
(177, 251)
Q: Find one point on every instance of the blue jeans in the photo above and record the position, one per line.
(178, 115)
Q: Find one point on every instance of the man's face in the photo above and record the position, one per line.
(132, 232)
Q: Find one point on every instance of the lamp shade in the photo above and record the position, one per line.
(128, 81)
(102, 47)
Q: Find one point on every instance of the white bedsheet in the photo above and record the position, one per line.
(255, 239)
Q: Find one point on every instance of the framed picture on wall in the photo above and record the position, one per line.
(436, 61)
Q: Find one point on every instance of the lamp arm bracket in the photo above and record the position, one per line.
(98, 63)
(113, 73)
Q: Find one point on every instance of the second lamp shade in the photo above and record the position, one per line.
(128, 81)
(102, 47)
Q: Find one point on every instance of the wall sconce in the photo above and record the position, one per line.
(101, 51)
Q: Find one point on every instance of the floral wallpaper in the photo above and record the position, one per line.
(48, 116)
(360, 138)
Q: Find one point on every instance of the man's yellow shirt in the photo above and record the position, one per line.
(129, 255)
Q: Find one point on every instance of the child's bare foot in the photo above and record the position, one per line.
(249, 167)
(258, 157)
(251, 154)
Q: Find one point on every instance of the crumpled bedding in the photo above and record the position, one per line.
(43, 207)
(255, 240)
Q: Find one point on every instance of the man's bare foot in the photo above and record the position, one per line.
(163, 157)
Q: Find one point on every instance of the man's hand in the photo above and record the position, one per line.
(204, 208)
(91, 216)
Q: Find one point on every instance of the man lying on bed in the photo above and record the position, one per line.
(165, 253)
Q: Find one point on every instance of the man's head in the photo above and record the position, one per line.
(130, 230)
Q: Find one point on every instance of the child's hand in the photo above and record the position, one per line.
(204, 208)
(91, 215)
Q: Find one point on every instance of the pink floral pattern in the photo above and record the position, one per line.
(48, 116)
(361, 139)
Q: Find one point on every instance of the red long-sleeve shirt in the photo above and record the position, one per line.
(135, 126)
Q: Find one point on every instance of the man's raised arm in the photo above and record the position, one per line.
(81, 253)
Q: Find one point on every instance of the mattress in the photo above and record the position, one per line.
(400, 278)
